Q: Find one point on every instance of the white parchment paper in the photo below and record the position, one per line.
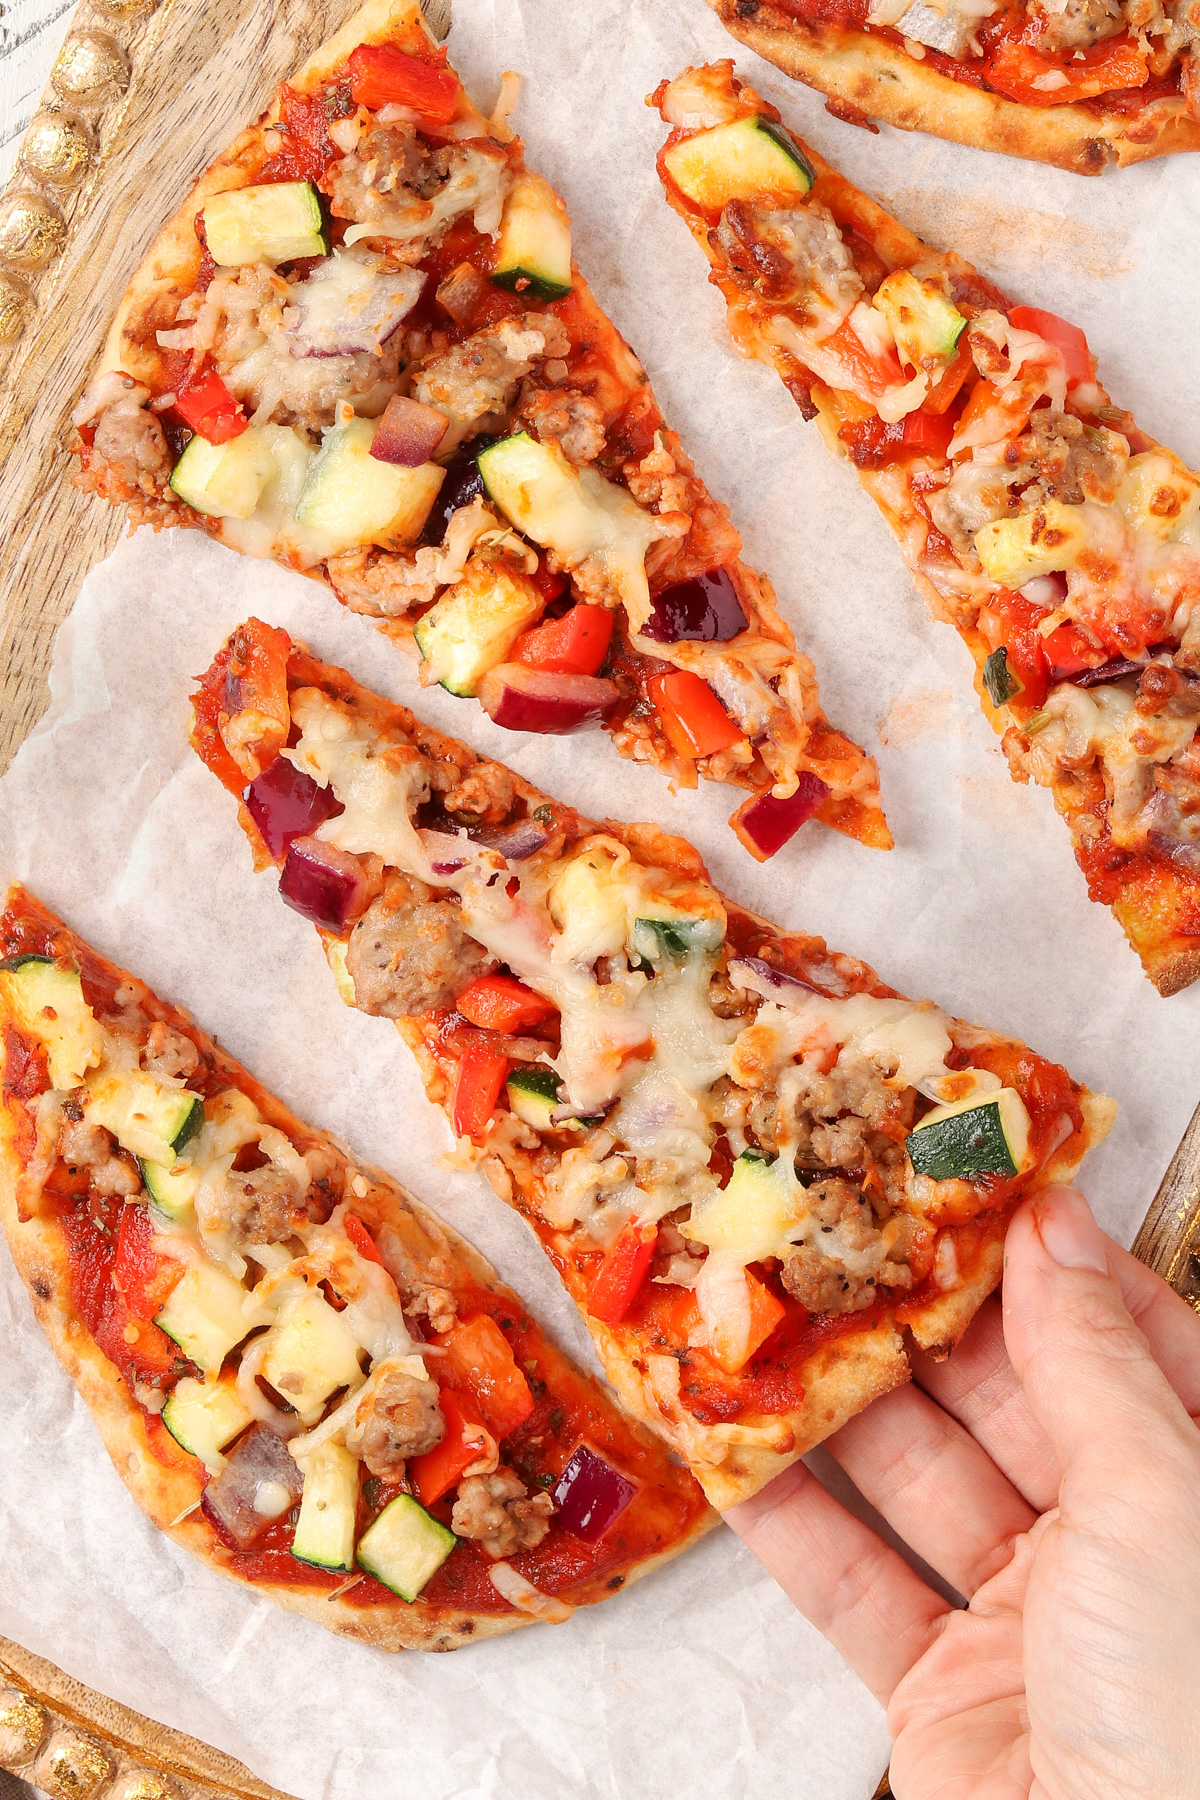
(701, 1681)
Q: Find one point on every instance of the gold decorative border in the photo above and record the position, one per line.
(76, 1745)
(52, 184)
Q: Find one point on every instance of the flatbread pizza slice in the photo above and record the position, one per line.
(1077, 83)
(300, 1374)
(362, 347)
(755, 1167)
(1033, 513)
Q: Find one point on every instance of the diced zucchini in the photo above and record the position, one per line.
(749, 159)
(207, 1315)
(328, 1509)
(351, 498)
(574, 512)
(404, 1547)
(534, 252)
(1050, 538)
(972, 1137)
(172, 1191)
(660, 939)
(273, 223)
(475, 624)
(1000, 678)
(310, 1353)
(204, 1416)
(48, 1002)
(751, 1217)
(533, 1096)
(147, 1117)
(1158, 493)
(335, 956)
(225, 480)
(925, 325)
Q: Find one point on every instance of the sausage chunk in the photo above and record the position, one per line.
(169, 1053)
(398, 1419)
(262, 1206)
(409, 954)
(90, 1147)
(848, 1257)
(576, 420)
(130, 442)
(494, 1510)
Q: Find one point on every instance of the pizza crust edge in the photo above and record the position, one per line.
(886, 83)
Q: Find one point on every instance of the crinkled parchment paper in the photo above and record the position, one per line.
(701, 1681)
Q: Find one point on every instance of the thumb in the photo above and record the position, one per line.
(1087, 1371)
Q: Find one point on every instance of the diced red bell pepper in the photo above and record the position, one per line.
(1068, 652)
(765, 1313)
(1019, 619)
(550, 583)
(930, 433)
(622, 1274)
(945, 390)
(481, 1077)
(144, 1275)
(381, 75)
(211, 411)
(502, 1003)
(1015, 69)
(438, 1470)
(479, 1359)
(576, 644)
(692, 718)
(1081, 364)
(361, 1238)
(870, 375)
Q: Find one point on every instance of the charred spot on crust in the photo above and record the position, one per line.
(41, 1288)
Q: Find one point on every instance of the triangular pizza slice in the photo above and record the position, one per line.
(754, 1165)
(1033, 513)
(300, 1374)
(362, 347)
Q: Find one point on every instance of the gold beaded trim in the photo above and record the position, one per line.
(83, 104)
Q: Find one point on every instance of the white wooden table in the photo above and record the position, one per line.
(31, 33)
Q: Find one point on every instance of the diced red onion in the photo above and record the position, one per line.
(1116, 669)
(590, 1494)
(705, 609)
(324, 884)
(765, 824)
(285, 803)
(352, 300)
(461, 292)
(514, 842)
(449, 868)
(408, 433)
(259, 1482)
(524, 699)
(768, 974)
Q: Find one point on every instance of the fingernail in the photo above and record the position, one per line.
(1069, 1231)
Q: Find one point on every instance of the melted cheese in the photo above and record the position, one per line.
(377, 786)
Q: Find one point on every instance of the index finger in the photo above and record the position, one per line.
(977, 1386)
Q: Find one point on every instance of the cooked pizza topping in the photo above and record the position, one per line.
(289, 1321)
(389, 370)
(1061, 540)
(692, 1109)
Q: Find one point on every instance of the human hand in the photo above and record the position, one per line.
(1050, 1471)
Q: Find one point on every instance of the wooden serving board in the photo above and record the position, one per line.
(142, 97)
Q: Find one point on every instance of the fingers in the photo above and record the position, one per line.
(935, 1485)
(1087, 1370)
(859, 1593)
(976, 1385)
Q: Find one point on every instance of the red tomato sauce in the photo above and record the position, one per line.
(304, 121)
